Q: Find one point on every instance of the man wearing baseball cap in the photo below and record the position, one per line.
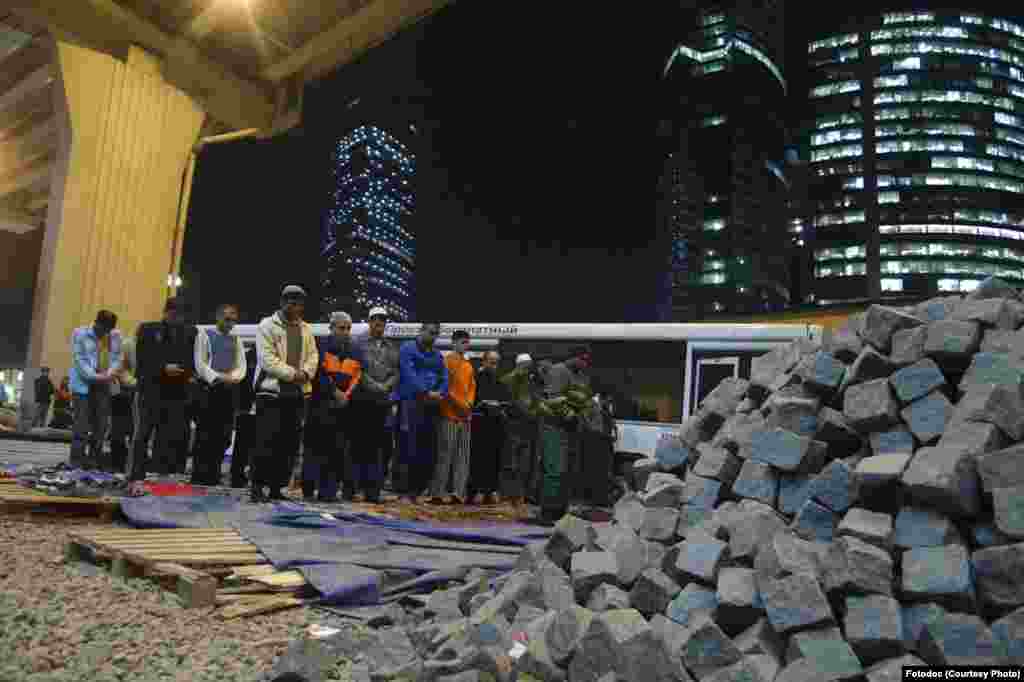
(287, 360)
(371, 404)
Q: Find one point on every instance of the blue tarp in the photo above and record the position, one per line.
(344, 555)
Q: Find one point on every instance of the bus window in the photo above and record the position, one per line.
(644, 379)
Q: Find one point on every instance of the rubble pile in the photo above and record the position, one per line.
(856, 506)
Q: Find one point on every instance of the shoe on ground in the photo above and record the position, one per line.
(489, 500)
(276, 496)
(436, 501)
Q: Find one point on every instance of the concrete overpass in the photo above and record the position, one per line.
(103, 107)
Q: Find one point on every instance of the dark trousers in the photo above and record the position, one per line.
(160, 416)
(92, 419)
(519, 460)
(42, 411)
(216, 420)
(324, 457)
(417, 446)
(554, 445)
(485, 460)
(280, 422)
(245, 424)
(369, 435)
(387, 458)
(122, 425)
(598, 452)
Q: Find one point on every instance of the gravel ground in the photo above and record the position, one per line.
(71, 623)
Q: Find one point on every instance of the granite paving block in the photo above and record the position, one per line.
(795, 603)
(787, 554)
(922, 527)
(567, 631)
(871, 406)
(781, 449)
(998, 572)
(881, 322)
(958, 639)
(726, 397)
(939, 574)
(871, 527)
(671, 633)
(834, 431)
(854, 566)
(765, 369)
(844, 341)
(757, 481)
(760, 639)
(951, 342)
(623, 643)
(697, 558)
(897, 441)
(1008, 504)
(590, 569)
(880, 470)
(835, 487)
(753, 526)
(815, 521)
(736, 432)
(739, 600)
(663, 490)
(987, 535)
(691, 603)
(992, 312)
(629, 511)
(927, 417)
(1008, 634)
(794, 490)
(1002, 468)
(915, 618)
(995, 404)
(917, 380)
(869, 365)
(608, 597)
(826, 650)
(641, 470)
(793, 409)
(671, 453)
(938, 308)
(908, 346)
(659, 524)
(821, 372)
(701, 493)
(708, 649)
(630, 552)
(993, 368)
(653, 592)
(570, 534)
(1003, 341)
(945, 478)
(874, 627)
(744, 671)
(892, 669)
(718, 464)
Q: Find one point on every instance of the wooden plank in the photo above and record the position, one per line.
(205, 547)
(158, 532)
(245, 589)
(257, 606)
(288, 579)
(195, 588)
(213, 560)
(253, 571)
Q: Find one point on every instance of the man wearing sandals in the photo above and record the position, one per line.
(287, 360)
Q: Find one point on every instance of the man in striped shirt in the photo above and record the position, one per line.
(451, 473)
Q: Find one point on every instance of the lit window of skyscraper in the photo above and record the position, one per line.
(368, 243)
(919, 135)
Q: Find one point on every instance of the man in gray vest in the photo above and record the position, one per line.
(221, 367)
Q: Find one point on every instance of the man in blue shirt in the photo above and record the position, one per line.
(422, 385)
(95, 361)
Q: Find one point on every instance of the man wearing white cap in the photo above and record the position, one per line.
(287, 359)
(371, 404)
(518, 457)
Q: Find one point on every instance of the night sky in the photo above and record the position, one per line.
(537, 164)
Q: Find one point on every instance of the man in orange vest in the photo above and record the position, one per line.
(451, 473)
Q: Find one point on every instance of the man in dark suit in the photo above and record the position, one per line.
(165, 353)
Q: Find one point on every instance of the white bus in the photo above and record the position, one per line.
(656, 374)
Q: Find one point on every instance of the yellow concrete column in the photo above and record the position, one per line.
(111, 224)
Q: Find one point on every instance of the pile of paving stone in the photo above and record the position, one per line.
(856, 506)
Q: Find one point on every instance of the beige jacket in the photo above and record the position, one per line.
(202, 354)
(272, 356)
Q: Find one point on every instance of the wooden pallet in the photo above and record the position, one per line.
(16, 499)
(169, 553)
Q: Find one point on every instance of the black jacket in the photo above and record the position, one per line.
(489, 388)
(44, 390)
(158, 344)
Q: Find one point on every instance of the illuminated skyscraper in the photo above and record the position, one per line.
(916, 150)
(368, 244)
(722, 204)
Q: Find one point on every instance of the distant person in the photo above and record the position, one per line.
(372, 405)
(122, 408)
(560, 438)
(451, 472)
(44, 397)
(221, 367)
(422, 385)
(519, 454)
(3, 393)
(62, 418)
(244, 423)
(165, 353)
(287, 360)
(330, 420)
(95, 361)
(488, 426)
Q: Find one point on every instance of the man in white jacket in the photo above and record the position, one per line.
(221, 367)
(287, 360)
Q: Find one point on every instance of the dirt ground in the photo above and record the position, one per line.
(74, 623)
